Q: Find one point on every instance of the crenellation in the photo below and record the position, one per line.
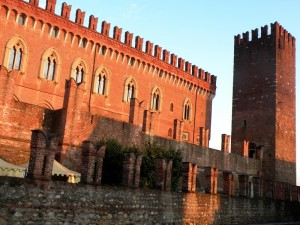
(264, 31)
(201, 74)
(188, 67)
(128, 38)
(79, 17)
(93, 23)
(149, 47)
(50, 5)
(237, 40)
(65, 11)
(157, 52)
(246, 37)
(195, 71)
(166, 56)
(181, 63)
(254, 34)
(207, 77)
(213, 80)
(173, 60)
(139, 43)
(117, 33)
(105, 28)
(34, 2)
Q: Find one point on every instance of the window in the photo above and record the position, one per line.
(187, 109)
(156, 99)
(16, 54)
(21, 19)
(79, 71)
(49, 69)
(50, 65)
(101, 81)
(130, 89)
(15, 58)
(171, 107)
(54, 32)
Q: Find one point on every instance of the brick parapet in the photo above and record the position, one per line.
(104, 39)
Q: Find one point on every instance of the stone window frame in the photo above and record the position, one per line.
(187, 110)
(154, 105)
(19, 43)
(79, 62)
(102, 71)
(131, 81)
(53, 55)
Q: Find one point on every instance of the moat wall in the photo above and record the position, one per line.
(24, 201)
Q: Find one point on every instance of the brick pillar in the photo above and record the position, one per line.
(268, 189)
(211, 180)
(131, 170)
(42, 152)
(204, 137)
(178, 127)
(137, 172)
(225, 143)
(163, 174)
(189, 177)
(71, 112)
(147, 122)
(243, 185)
(228, 183)
(134, 112)
(168, 176)
(257, 187)
(128, 169)
(7, 84)
(294, 193)
(92, 162)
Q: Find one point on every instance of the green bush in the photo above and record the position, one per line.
(151, 152)
(112, 163)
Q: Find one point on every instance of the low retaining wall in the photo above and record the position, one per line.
(24, 201)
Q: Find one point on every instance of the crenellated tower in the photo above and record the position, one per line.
(263, 105)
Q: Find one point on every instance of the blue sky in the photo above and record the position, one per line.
(201, 32)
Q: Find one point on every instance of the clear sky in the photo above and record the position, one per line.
(201, 32)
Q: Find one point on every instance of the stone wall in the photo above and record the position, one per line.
(23, 201)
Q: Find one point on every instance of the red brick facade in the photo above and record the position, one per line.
(263, 111)
(157, 91)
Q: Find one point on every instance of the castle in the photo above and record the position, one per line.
(76, 76)
(79, 86)
(83, 85)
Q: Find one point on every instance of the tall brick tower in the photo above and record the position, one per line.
(263, 105)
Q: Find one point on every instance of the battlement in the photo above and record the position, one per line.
(136, 43)
(276, 30)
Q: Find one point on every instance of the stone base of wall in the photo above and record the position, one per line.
(24, 201)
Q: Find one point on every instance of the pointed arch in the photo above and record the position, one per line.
(130, 89)
(156, 99)
(187, 110)
(79, 70)
(50, 65)
(101, 81)
(16, 54)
